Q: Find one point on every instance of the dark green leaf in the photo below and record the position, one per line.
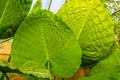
(12, 13)
(42, 40)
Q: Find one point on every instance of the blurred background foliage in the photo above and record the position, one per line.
(114, 8)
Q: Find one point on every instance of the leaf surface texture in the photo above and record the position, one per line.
(44, 40)
(93, 26)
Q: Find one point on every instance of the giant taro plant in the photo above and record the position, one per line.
(48, 45)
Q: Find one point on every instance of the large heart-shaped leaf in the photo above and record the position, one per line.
(108, 63)
(12, 13)
(93, 26)
(44, 41)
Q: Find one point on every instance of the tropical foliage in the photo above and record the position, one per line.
(48, 45)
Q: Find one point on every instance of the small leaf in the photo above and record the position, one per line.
(12, 13)
(45, 41)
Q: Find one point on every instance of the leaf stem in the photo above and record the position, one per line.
(9, 58)
(49, 4)
(54, 77)
(49, 69)
(115, 12)
(66, 1)
(116, 5)
(6, 76)
(62, 78)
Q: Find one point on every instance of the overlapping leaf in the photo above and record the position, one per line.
(12, 13)
(93, 26)
(108, 63)
(44, 41)
(113, 74)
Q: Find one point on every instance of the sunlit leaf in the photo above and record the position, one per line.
(93, 26)
(44, 41)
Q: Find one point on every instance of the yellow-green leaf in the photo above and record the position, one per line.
(93, 26)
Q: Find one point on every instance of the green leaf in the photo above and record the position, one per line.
(108, 63)
(6, 68)
(35, 70)
(93, 26)
(12, 13)
(44, 41)
(113, 74)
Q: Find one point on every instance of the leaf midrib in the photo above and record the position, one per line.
(4, 11)
(46, 49)
(46, 53)
(85, 20)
